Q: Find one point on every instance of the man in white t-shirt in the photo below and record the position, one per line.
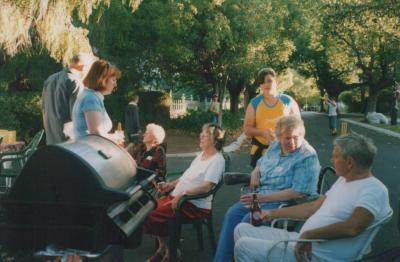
(356, 201)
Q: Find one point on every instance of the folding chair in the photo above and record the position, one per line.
(327, 177)
(374, 229)
(176, 223)
(11, 163)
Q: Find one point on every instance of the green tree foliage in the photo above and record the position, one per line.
(369, 39)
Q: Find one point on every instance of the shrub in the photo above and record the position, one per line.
(232, 121)
(21, 112)
(191, 122)
(194, 120)
(352, 100)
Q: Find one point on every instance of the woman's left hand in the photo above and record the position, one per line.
(247, 199)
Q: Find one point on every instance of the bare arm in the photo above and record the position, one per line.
(283, 195)
(295, 109)
(203, 188)
(93, 121)
(359, 220)
(302, 211)
(44, 119)
(255, 177)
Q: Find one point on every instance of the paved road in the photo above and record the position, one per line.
(386, 168)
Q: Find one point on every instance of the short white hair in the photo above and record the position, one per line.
(157, 131)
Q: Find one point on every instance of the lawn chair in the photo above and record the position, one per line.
(327, 177)
(176, 223)
(393, 254)
(11, 163)
(374, 229)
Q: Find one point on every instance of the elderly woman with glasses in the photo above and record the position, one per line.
(203, 174)
(289, 170)
(89, 115)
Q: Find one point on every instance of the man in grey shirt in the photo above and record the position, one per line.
(58, 97)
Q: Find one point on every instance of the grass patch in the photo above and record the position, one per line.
(395, 128)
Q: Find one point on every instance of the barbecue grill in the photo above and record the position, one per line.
(81, 194)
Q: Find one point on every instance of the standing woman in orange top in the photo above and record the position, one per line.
(264, 111)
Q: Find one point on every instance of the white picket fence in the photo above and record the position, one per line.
(180, 107)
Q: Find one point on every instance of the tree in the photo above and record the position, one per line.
(370, 40)
(223, 43)
(59, 26)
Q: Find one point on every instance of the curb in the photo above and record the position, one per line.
(367, 126)
(374, 128)
(191, 154)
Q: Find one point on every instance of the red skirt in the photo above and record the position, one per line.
(156, 223)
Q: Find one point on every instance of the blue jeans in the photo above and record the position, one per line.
(235, 214)
(215, 119)
(332, 122)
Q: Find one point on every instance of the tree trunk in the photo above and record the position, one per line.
(235, 88)
(234, 103)
(372, 101)
(222, 89)
(321, 103)
(363, 100)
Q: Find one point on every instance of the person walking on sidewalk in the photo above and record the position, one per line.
(332, 114)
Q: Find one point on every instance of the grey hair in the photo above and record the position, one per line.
(290, 123)
(358, 147)
(82, 58)
(157, 131)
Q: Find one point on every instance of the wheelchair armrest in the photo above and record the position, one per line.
(234, 178)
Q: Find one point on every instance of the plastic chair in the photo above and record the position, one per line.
(175, 224)
(11, 163)
(327, 177)
(374, 229)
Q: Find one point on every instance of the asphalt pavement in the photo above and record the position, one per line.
(386, 168)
